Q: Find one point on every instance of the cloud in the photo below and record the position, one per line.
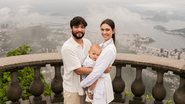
(123, 18)
(21, 16)
(162, 12)
(26, 16)
(129, 12)
(162, 16)
(5, 14)
(24, 10)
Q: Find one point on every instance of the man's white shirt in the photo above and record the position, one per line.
(73, 56)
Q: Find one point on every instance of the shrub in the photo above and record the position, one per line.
(25, 76)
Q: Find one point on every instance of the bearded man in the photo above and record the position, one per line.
(74, 51)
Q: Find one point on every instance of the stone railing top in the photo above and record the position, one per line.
(7, 63)
(10, 63)
(151, 61)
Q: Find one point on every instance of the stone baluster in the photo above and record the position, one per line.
(118, 86)
(37, 87)
(138, 88)
(14, 90)
(179, 95)
(56, 85)
(158, 91)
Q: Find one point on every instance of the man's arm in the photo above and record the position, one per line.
(83, 70)
(88, 70)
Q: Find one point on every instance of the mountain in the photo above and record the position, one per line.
(179, 30)
(172, 32)
(159, 27)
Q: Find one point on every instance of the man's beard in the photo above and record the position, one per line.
(77, 36)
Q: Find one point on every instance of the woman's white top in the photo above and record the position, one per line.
(104, 85)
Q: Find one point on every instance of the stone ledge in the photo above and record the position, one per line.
(8, 63)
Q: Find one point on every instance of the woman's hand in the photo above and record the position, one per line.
(108, 69)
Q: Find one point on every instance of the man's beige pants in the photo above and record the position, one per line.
(73, 98)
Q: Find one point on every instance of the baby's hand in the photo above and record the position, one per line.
(90, 95)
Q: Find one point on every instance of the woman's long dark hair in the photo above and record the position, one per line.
(112, 25)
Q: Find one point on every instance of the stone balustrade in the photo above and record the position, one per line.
(139, 62)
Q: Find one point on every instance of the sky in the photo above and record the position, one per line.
(156, 10)
(130, 16)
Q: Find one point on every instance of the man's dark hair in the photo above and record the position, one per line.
(77, 21)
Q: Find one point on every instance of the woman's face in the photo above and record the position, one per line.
(106, 31)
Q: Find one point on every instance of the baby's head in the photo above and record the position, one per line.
(94, 51)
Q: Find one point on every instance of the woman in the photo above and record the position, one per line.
(103, 92)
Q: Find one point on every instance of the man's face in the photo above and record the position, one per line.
(78, 31)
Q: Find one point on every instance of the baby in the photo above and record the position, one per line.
(90, 61)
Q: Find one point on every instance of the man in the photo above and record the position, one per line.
(74, 51)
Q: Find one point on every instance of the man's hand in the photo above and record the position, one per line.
(108, 69)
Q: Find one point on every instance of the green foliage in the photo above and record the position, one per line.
(25, 77)
(149, 97)
(169, 102)
(128, 93)
(47, 89)
(4, 80)
(21, 50)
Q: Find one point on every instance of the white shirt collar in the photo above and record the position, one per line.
(74, 42)
(106, 43)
